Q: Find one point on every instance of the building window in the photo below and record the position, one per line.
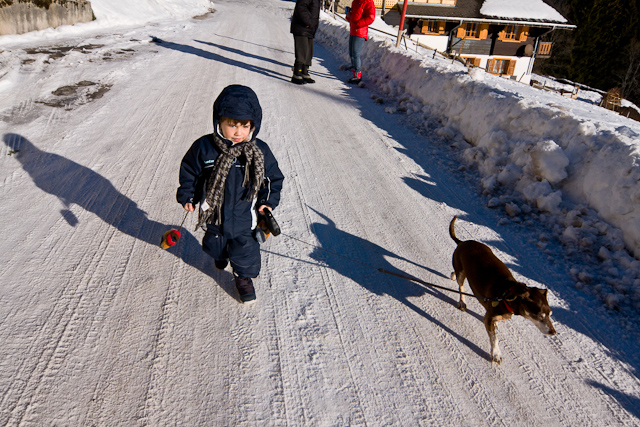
(472, 61)
(471, 31)
(498, 66)
(514, 33)
(502, 67)
(510, 33)
(433, 27)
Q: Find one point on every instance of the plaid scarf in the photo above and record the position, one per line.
(211, 209)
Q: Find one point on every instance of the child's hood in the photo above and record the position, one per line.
(239, 103)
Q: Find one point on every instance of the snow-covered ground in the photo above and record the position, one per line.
(545, 159)
(99, 326)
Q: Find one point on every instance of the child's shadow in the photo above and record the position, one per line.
(75, 184)
(362, 256)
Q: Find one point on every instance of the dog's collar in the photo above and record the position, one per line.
(503, 299)
(507, 305)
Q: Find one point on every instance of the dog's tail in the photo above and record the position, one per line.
(452, 233)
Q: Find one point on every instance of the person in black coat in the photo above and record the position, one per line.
(304, 24)
(234, 176)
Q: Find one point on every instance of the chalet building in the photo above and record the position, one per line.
(502, 36)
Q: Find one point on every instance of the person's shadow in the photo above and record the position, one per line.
(361, 261)
(75, 184)
(223, 59)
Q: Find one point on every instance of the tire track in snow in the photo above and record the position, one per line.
(307, 317)
(340, 190)
(32, 382)
(355, 206)
(154, 410)
(57, 333)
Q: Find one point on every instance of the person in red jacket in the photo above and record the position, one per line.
(361, 15)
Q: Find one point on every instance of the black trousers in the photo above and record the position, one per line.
(303, 47)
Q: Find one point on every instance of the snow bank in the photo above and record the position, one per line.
(587, 161)
(567, 158)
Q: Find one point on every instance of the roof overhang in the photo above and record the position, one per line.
(495, 21)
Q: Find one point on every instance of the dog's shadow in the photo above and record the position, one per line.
(74, 184)
(355, 261)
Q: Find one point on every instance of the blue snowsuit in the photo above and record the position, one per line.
(234, 237)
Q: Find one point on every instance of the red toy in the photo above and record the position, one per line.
(171, 237)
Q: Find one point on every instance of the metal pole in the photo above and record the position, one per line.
(404, 12)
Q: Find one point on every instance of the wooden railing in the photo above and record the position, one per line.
(544, 49)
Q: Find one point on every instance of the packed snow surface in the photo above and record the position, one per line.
(100, 326)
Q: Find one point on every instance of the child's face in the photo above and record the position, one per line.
(234, 130)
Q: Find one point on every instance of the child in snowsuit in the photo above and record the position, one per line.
(233, 176)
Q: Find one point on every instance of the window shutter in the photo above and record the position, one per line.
(461, 31)
(501, 35)
(476, 62)
(483, 31)
(524, 32)
(511, 68)
(441, 26)
(490, 65)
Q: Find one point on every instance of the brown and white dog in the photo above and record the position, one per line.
(496, 289)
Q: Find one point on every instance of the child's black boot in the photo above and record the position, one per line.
(245, 288)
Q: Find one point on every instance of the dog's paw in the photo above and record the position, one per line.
(496, 358)
(462, 306)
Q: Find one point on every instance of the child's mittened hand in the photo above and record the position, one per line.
(189, 207)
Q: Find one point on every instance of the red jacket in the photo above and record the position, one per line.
(363, 13)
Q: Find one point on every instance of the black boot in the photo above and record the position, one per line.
(297, 74)
(305, 75)
(245, 288)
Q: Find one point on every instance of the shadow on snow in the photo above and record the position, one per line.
(74, 184)
(443, 184)
(360, 259)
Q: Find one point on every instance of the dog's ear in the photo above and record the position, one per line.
(517, 290)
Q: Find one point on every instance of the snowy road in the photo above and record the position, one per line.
(99, 326)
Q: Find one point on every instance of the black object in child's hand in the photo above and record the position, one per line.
(267, 226)
(271, 223)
